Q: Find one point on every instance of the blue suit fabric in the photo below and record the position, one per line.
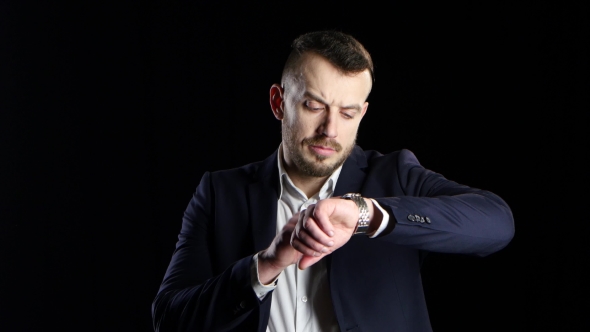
(375, 284)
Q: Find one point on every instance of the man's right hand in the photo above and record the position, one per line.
(280, 254)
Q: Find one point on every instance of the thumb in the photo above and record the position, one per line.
(307, 261)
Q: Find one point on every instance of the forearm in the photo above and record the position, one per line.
(222, 302)
(432, 213)
(196, 294)
(476, 222)
(267, 270)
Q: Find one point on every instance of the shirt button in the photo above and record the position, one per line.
(304, 299)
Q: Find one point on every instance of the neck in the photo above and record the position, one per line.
(310, 185)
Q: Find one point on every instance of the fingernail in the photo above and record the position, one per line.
(331, 233)
(316, 254)
(331, 243)
(324, 250)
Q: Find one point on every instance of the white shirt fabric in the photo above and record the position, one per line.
(301, 300)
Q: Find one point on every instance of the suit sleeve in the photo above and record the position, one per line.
(191, 297)
(440, 215)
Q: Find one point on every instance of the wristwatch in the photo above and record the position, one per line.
(363, 224)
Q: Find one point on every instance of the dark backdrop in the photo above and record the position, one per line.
(110, 114)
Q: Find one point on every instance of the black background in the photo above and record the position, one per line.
(110, 114)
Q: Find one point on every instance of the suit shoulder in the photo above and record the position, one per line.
(240, 174)
(399, 157)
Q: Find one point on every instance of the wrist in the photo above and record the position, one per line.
(268, 269)
(362, 224)
(371, 209)
(375, 216)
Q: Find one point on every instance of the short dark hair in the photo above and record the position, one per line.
(340, 49)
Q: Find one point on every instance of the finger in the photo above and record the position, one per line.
(292, 223)
(286, 233)
(321, 214)
(307, 261)
(303, 247)
(294, 218)
(288, 230)
(311, 227)
(299, 222)
(312, 243)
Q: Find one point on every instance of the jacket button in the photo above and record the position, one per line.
(411, 217)
(243, 304)
(427, 220)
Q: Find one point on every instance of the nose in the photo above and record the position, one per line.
(329, 127)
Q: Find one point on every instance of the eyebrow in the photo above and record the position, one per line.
(321, 100)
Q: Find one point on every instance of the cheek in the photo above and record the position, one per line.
(301, 125)
(349, 133)
(292, 122)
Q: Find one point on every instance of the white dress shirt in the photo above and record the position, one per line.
(301, 299)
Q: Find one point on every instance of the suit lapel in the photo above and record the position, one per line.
(262, 199)
(351, 180)
(352, 176)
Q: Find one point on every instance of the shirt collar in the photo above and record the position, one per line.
(325, 192)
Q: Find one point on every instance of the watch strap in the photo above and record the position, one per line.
(363, 221)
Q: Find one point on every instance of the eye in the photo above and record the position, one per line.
(314, 105)
(348, 115)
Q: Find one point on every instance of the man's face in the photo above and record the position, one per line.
(322, 111)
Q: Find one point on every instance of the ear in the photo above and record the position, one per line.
(276, 101)
(365, 107)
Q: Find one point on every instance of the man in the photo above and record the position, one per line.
(321, 236)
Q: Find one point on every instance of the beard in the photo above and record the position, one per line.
(318, 166)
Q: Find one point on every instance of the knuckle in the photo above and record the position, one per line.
(301, 234)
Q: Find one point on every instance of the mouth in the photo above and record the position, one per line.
(322, 150)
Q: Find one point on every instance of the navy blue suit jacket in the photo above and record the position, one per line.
(375, 284)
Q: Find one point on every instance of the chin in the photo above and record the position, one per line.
(319, 166)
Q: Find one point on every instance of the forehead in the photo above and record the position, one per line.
(314, 73)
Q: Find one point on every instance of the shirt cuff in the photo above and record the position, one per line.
(384, 222)
(260, 289)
